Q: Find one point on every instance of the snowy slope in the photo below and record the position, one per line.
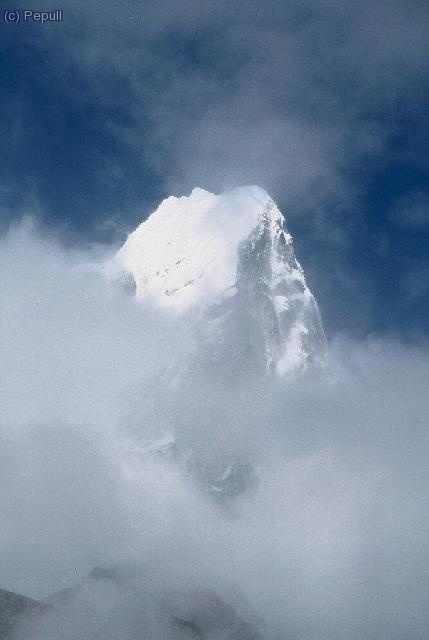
(229, 260)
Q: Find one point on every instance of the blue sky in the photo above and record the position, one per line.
(323, 104)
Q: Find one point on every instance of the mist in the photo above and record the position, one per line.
(329, 538)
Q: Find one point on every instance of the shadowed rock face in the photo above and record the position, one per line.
(124, 603)
(269, 322)
(13, 608)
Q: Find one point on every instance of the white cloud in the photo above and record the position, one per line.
(330, 542)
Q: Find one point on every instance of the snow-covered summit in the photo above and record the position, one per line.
(229, 260)
(185, 253)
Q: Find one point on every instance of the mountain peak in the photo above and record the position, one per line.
(185, 253)
(229, 260)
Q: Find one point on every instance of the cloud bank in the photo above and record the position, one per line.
(329, 541)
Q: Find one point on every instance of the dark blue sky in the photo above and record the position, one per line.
(323, 104)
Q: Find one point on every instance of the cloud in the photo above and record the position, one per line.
(284, 96)
(327, 543)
